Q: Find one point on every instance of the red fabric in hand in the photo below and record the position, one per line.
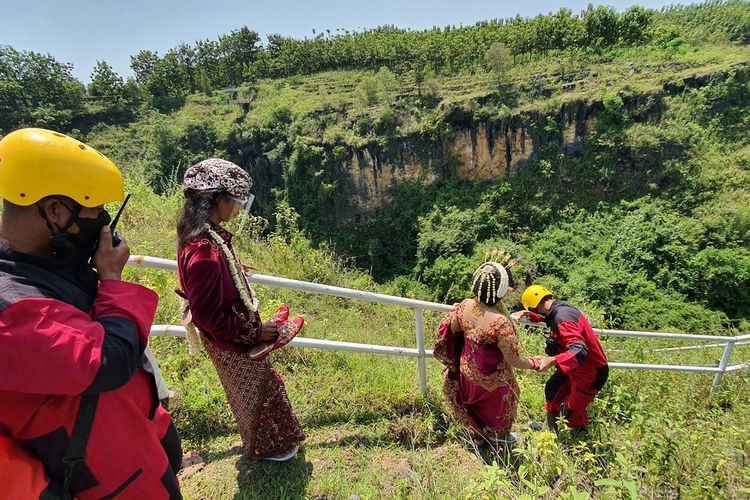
(287, 329)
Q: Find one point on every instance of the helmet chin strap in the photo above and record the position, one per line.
(59, 234)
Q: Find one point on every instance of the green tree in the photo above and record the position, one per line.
(143, 64)
(185, 57)
(499, 60)
(367, 90)
(209, 72)
(168, 82)
(635, 24)
(132, 94)
(36, 89)
(239, 51)
(446, 231)
(601, 26)
(106, 83)
(722, 278)
(387, 84)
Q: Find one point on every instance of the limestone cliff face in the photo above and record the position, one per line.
(373, 172)
(486, 150)
(361, 180)
(482, 150)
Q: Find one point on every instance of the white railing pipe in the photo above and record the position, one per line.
(179, 331)
(664, 335)
(734, 368)
(420, 305)
(306, 286)
(347, 293)
(422, 361)
(695, 347)
(668, 368)
(174, 330)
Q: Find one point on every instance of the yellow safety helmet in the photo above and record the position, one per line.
(533, 295)
(35, 163)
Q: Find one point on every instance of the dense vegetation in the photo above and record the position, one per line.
(645, 224)
(239, 57)
(372, 434)
(664, 153)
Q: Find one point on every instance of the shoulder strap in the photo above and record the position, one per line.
(76, 452)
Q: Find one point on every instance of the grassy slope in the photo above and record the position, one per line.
(540, 84)
(371, 433)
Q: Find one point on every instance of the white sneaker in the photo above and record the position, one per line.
(284, 456)
(509, 440)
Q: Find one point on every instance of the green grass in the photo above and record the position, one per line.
(372, 434)
(328, 105)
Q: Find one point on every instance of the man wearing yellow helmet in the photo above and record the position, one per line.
(574, 349)
(73, 388)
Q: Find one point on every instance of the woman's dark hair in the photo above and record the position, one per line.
(196, 210)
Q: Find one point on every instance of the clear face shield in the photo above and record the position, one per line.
(245, 204)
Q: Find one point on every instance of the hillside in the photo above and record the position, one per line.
(372, 434)
(608, 150)
(415, 189)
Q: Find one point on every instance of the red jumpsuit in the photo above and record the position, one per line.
(582, 366)
(63, 335)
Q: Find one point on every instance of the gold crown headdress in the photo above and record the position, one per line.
(502, 257)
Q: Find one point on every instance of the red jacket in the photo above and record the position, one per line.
(63, 335)
(215, 304)
(22, 473)
(578, 350)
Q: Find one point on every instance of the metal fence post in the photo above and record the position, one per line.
(723, 365)
(422, 359)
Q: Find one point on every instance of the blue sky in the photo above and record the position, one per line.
(82, 32)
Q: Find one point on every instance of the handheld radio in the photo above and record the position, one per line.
(116, 237)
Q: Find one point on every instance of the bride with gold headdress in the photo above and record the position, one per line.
(478, 343)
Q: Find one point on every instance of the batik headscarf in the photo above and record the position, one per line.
(218, 174)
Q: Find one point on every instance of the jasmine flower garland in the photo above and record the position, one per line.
(240, 280)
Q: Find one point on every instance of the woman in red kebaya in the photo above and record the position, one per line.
(224, 309)
(478, 344)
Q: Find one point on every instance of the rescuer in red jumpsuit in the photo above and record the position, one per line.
(574, 349)
(76, 399)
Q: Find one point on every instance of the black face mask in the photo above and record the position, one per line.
(87, 239)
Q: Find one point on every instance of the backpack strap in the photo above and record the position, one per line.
(76, 453)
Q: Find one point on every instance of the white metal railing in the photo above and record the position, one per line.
(419, 306)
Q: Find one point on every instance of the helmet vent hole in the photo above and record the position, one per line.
(83, 148)
(86, 197)
(57, 134)
(22, 195)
